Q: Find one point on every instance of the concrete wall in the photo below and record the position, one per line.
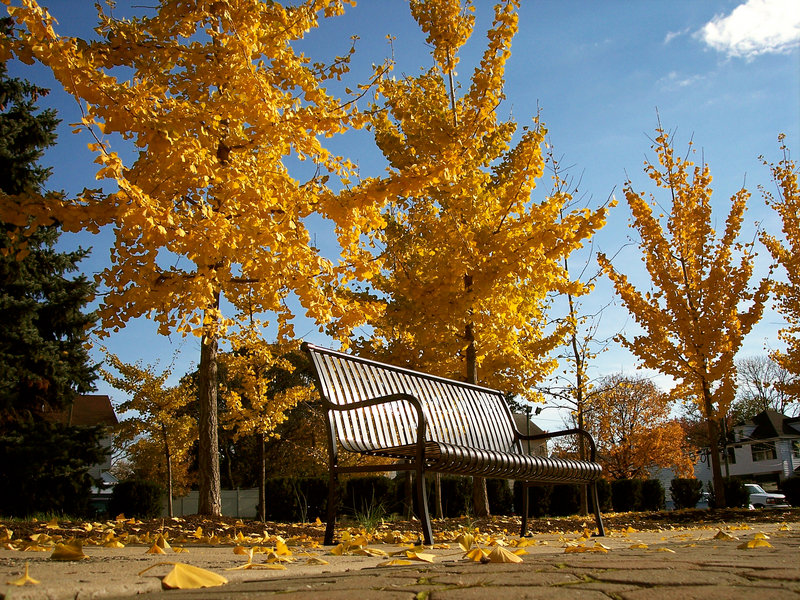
(235, 503)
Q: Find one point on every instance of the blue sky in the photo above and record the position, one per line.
(723, 73)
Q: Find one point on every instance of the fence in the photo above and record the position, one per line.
(235, 503)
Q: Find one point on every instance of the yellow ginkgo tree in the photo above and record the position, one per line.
(700, 304)
(196, 111)
(469, 257)
(156, 413)
(261, 387)
(786, 201)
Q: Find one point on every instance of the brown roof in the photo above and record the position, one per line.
(88, 409)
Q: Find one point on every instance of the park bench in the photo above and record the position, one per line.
(428, 424)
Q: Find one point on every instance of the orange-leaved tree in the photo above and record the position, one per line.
(700, 304)
(630, 421)
(786, 201)
(158, 415)
(469, 256)
(215, 104)
(261, 387)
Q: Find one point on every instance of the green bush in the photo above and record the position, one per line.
(44, 468)
(501, 497)
(295, 499)
(686, 493)
(604, 494)
(652, 495)
(538, 499)
(791, 487)
(626, 494)
(565, 499)
(136, 498)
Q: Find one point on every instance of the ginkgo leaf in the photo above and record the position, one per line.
(501, 555)
(477, 555)
(155, 549)
(26, 579)
(396, 562)
(668, 550)
(466, 541)
(162, 542)
(72, 551)
(316, 560)
(724, 535)
(755, 543)
(639, 546)
(761, 536)
(113, 544)
(424, 557)
(188, 577)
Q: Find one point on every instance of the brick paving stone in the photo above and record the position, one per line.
(670, 577)
(715, 592)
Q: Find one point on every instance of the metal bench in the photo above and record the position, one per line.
(431, 424)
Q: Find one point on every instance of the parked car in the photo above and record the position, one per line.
(761, 499)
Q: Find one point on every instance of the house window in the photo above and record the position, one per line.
(796, 448)
(763, 451)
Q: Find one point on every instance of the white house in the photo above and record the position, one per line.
(765, 449)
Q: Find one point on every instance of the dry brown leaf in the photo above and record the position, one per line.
(26, 579)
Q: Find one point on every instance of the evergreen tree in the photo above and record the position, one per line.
(43, 359)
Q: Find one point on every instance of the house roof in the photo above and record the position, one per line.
(87, 409)
(772, 424)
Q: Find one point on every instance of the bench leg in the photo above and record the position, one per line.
(333, 485)
(601, 532)
(422, 503)
(525, 508)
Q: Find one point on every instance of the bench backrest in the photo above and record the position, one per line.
(457, 413)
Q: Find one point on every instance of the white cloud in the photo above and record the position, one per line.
(675, 80)
(671, 35)
(755, 27)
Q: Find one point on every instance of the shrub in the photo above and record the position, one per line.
(44, 468)
(626, 494)
(604, 494)
(501, 497)
(565, 499)
(538, 499)
(652, 495)
(295, 499)
(136, 498)
(791, 487)
(686, 493)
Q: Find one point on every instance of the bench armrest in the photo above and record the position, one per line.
(551, 434)
(390, 399)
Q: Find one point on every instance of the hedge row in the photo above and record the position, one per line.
(305, 499)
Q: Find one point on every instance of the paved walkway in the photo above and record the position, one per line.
(628, 565)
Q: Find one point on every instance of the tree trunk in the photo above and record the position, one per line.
(168, 461)
(262, 479)
(480, 497)
(713, 446)
(209, 502)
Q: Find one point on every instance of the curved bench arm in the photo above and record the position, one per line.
(551, 434)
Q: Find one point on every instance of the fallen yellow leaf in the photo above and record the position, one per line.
(501, 555)
(155, 549)
(188, 577)
(757, 543)
(639, 546)
(26, 579)
(477, 555)
(72, 551)
(723, 535)
(412, 555)
(396, 562)
(316, 560)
